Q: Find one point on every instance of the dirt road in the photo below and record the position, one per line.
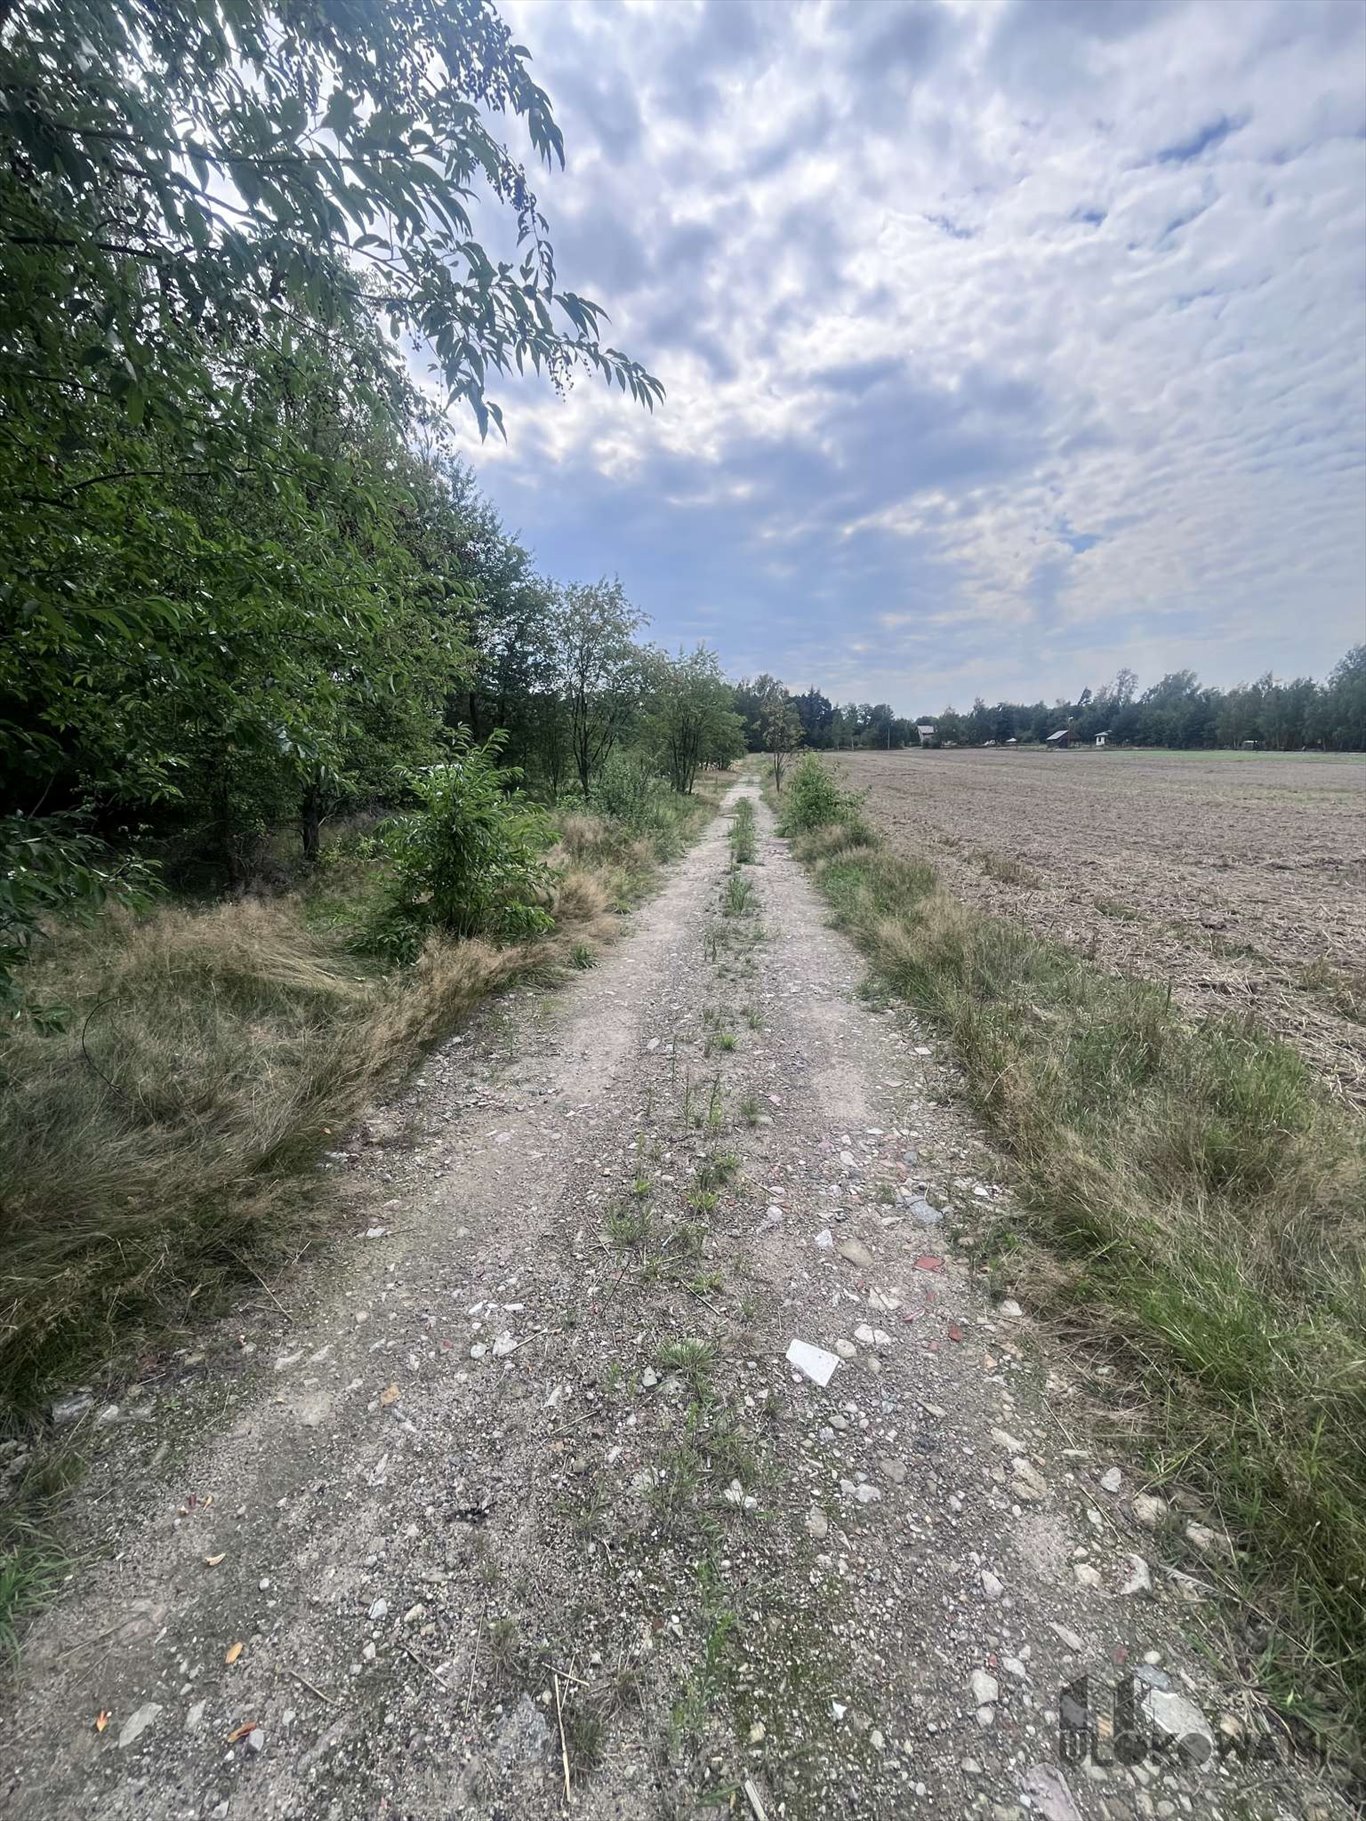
(523, 1495)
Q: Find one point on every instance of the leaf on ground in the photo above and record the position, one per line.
(101, 1719)
(389, 1395)
(928, 1262)
(240, 1732)
(233, 1652)
(212, 1561)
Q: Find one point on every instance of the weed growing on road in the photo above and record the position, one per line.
(743, 844)
(628, 1224)
(737, 897)
(1203, 1202)
(693, 1360)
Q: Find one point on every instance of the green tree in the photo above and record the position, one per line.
(782, 729)
(689, 721)
(225, 228)
(598, 670)
(1341, 716)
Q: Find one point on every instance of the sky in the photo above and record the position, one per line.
(1006, 342)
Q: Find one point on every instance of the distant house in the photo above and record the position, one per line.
(926, 731)
(1103, 739)
(1060, 739)
(1012, 741)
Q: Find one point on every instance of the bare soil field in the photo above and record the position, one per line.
(1239, 878)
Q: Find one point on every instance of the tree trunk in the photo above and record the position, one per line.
(311, 824)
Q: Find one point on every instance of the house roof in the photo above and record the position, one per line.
(1061, 734)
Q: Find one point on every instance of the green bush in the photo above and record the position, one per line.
(469, 861)
(629, 789)
(814, 800)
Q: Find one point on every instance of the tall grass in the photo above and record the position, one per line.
(166, 1143)
(1192, 1202)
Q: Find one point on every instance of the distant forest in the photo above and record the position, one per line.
(1178, 711)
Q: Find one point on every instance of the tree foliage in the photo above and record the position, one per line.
(599, 670)
(1179, 711)
(186, 176)
(241, 581)
(780, 728)
(690, 720)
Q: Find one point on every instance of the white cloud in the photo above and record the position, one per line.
(1004, 345)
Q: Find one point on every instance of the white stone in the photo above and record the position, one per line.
(1027, 1482)
(1052, 1798)
(1138, 1579)
(137, 1723)
(1149, 1510)
(815, 1362)
(1177, 1718)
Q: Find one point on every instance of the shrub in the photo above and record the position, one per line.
(470, 860)
(814, 800)
(629, 790)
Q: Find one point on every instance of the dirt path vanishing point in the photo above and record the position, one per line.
(529, 1495)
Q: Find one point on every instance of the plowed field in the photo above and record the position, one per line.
(1238, 878)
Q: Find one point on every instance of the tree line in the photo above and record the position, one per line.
(244, 582)
(1177, 711)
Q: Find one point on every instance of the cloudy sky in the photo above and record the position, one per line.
(1006, 341)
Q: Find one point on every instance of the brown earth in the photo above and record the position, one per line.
(1238, 878)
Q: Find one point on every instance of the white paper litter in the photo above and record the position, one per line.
(817, 1364)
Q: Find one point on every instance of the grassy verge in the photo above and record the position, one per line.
(1192, 1202)
(165, 1144)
